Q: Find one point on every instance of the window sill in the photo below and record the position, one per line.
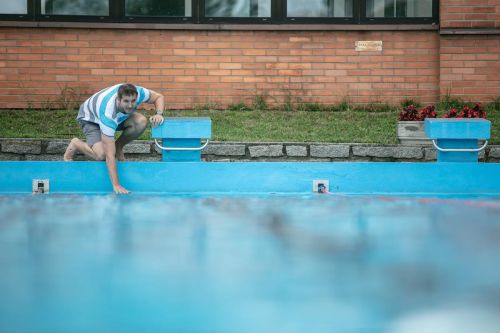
(223, 27)
(478, 31)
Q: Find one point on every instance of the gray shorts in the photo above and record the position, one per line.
(92, 131)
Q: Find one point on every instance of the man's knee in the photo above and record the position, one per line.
(141, 123)
(99, 153)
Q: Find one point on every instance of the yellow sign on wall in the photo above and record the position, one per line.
(369, 45)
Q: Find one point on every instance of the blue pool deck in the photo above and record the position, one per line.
(256, 177)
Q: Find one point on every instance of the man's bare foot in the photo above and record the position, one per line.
(70, 151)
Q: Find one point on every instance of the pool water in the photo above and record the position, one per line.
(275, 263)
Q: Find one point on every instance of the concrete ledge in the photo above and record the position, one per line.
(333, 151)
(296, 151)
(222, 149)
(138, 147)
(22, 146)
(266, 151)
(57, 147)
(494, 152)
(397, 152)
(53, 150)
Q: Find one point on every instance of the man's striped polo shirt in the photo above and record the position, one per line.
(100, 108)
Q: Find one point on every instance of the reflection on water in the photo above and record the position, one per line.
(247, 264)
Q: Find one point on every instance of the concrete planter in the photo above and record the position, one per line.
(412, 133)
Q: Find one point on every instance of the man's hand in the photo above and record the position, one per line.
(159, 101)
(156, 120)
(110, 151)
(120, 189)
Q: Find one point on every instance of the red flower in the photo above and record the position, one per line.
(451, 114)
(466, 112)
(410, 113)
(428, 112)
(480, 111)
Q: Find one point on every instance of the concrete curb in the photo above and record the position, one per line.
(53, 149)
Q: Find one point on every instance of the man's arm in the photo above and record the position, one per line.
(159, 101)
(110, 151)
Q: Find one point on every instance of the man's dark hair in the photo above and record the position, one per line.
(127, 89)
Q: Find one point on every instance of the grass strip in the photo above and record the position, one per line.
(351, 126)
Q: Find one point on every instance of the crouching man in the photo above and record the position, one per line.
(110, 110)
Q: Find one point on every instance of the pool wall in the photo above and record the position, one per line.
(255, 177)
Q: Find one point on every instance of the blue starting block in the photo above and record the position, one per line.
(181, 138)
(456, 139)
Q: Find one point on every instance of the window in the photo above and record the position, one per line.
(398, 8)
(319, 8)
(238, 8)
(234, 11)
(14, 7)
(163, 8)
(75, 7)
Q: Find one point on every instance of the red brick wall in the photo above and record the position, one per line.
(196, 68)
(470, 67)
(469, 13)
(470, 63)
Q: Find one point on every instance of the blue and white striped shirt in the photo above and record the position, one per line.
(100, 108)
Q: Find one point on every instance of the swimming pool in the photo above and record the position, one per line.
(253, 263)
(248, 247)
